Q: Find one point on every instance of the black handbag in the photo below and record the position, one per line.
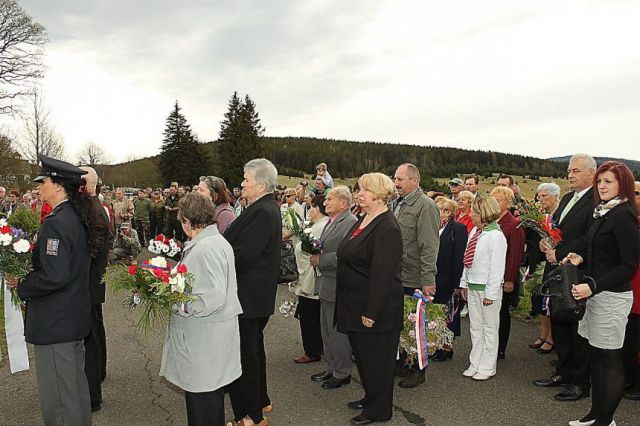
(557, 286)
(288, 265)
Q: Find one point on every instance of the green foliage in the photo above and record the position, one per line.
(240, 139)
(182, 158)
(25, 219)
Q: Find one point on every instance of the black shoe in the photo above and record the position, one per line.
(356, 405)
(334, 382)
(401, 370)
(551, 382)
(321, 377)
(413, 379)
(361, 420)
(633, 394)
(501, 355)
(543, 351)
(442, 355)
(572, 393)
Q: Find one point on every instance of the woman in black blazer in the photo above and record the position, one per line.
(453, 242)
(369, 296)
(611, 257)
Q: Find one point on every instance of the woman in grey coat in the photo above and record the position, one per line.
(201, 351)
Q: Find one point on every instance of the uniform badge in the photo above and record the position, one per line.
(52, 246)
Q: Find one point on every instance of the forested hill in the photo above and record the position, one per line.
(293, 155)
(633, 164)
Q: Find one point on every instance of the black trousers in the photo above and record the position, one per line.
(155, 227)
(376, 355)
(632, 351)
(248, 393)
(505, 320)
(573, 353)
(308, 313)
(95, 357)
(205, 408)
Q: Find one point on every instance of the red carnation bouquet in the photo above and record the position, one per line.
(533, 216)
(154, 286)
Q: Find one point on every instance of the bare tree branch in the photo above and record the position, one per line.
(39, 134)
(21, 50)
(93, 155)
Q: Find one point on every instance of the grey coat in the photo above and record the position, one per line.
(201, 351)
(332, 236)
(419, 221)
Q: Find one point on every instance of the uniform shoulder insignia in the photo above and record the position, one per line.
(52, 246)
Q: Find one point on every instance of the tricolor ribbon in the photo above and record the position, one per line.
(421, 327)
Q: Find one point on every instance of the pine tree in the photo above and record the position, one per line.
(181, 158)
(240, 138)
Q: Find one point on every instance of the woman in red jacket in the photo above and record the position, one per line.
(632, 336)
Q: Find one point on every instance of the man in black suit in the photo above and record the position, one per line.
(255, 237)
(96, 342)
(574, 216)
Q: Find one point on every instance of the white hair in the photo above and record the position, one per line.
(589, 161)
(551, 187)
(265, 173)
(343, 193)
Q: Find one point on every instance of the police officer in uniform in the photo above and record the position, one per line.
(58, 313)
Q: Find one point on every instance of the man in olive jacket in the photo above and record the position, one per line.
(419, 222)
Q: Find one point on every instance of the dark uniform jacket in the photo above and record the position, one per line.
(368, 278)
(56, 291)
(255, 237)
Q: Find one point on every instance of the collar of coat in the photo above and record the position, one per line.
(413, 197)
(206, 232)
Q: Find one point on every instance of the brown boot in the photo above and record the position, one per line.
(412, 379)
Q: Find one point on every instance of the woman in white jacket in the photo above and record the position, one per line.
(482, 277)
(201, 352)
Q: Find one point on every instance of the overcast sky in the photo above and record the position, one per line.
(537, 77)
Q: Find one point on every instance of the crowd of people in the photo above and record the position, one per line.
(381, 240)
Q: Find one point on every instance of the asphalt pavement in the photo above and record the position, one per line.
(134, 394)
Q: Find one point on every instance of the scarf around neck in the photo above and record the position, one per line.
(605, 207)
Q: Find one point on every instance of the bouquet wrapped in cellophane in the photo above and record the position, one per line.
(533, 216)
(155, 287)
(311, 244)
(17, 237)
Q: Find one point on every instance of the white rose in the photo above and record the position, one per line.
(5, 239)
(3, 222)
(181, 283)
(21, 246)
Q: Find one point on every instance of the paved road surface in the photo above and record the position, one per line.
(134, 394)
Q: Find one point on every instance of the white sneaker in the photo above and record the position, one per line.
(469, 372)
(464, 312)
(481, 377)
(579, 423)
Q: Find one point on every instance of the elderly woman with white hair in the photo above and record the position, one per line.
(548, 195)
(255, 237)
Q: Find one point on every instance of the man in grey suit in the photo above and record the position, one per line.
(337, 350)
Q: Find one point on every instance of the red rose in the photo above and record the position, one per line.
(159, 238)
(32, 246)
(5, 230)
(133, 269)
(182, 268)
